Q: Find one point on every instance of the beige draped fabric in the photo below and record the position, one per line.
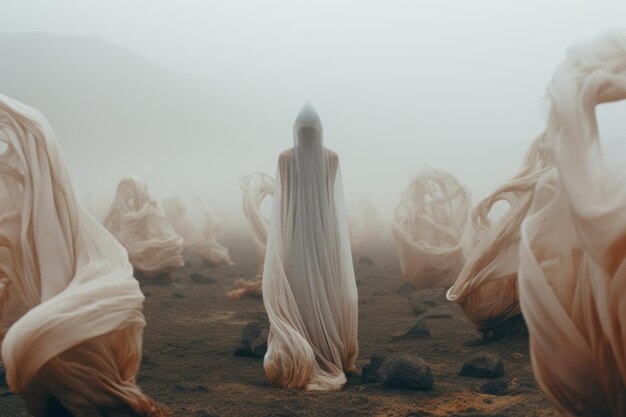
(199, 240)
(486, 287)
(428, 226)
(309, 288)
(70, 310)
(208, 248)
(256, 188)
(138, 222)
(572, 275)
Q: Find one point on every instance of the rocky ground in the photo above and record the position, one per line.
(419, 355)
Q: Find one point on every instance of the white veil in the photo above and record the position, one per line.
(309, 289)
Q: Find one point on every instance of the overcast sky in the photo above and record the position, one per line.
(398, 84)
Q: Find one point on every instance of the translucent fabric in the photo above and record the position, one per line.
(486, 287)
(138, 222)
(256, 187)
(309, 289)
(428, 226)
(203, 242)
(572, 275)
(207, 248)
(71, 318)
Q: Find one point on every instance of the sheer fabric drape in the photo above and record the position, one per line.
(572, 276)
(71, 318)
(486, 287)
(428, 226)
(138, 222)
(256, 188)
(309, 289)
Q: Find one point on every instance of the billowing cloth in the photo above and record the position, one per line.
(71, 318)
(176, 212)
(138, 222)
(572, 275)
(256, 187)
(203, 243)
(364, 224)
(428, 226)
(309, 289)
(486, 287)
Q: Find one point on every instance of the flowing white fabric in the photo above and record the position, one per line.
(428, 226)
(256, 187)
(70, 310)
(208, 248)
(138, 222)
(204, 242)
(309, 288)
(486, 287)
(572, 275)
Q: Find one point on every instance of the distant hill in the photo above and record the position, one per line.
(115, 112)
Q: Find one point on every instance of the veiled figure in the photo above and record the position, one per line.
(428, 226)
(309, 288)
(572, 275)
(203, 242)
(71, 319)
(138, 222)
(486, 287)
(256, 188)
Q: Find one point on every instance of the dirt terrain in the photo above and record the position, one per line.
(193, 328)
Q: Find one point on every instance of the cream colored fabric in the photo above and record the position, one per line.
(309, 289)
(428, 226)
(199, 240)
(70, 310)
(572, 276)
(208, 248)
(138, 222)
(486, 287)
(256, 187)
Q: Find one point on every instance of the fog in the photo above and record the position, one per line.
(193, 95)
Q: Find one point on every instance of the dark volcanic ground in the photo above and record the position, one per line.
(193, 329)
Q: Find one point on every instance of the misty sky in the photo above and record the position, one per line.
(398, 84)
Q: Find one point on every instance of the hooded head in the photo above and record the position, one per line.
(308, 127)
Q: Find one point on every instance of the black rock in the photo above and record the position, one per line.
(253, 340)
(495, 387)
(413, 331)
(405, 289)
(424, 300)
(406, 371)
(201, 279)
(371, 371)
(483, 365)
(366, 260)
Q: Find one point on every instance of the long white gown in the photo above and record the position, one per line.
(572, 275)
(309, 288)
(486, 287)
(71, 319)
(256, 188)
(138, 222)
(428, 227)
